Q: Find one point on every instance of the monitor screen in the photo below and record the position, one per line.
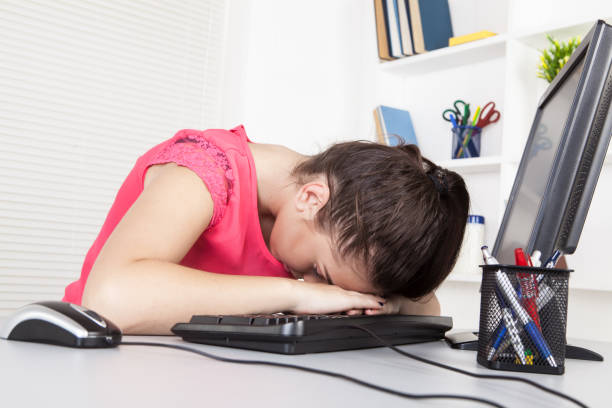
(563, 156)
(538, 162)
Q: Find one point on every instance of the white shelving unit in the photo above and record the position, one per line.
(503, 69)
(464, 54)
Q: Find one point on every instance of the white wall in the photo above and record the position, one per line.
(304, 74)
(300, 73)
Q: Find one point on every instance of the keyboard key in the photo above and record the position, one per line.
(237, 320)
(205, 319)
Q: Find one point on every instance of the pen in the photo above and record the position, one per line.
(514, 334)
(453, 120)
(528, 287)
(552, 261)
(509, 324)
(487, 257)
(501, 333)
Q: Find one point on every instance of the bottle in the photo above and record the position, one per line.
(470, 255)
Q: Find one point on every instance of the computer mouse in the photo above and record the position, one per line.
(60, 323)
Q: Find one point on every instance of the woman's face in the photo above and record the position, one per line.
(309, 253)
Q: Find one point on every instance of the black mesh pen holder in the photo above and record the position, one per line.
(523, 316)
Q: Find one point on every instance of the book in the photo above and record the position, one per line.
(380, 137)
(394, 126)
(469, 38)
(417, 28)
(393, 26)
(405, 29)
(431, 24)
(381, 30)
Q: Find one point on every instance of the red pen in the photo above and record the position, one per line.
(528, 287)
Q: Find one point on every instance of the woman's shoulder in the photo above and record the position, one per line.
(203, 152)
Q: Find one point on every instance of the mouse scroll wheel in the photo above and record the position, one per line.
(93, 316)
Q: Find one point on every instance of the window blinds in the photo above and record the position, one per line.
(86, 86)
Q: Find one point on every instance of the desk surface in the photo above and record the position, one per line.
(33, 375)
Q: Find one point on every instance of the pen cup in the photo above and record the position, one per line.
(523, 315)
(466, 142)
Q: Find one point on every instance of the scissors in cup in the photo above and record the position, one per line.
(488, 115)
(461, 112)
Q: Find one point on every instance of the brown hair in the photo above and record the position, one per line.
(393, 209)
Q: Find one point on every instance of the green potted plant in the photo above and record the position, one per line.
(555, 57)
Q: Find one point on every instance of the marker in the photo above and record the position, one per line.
(536, 258)
(552, 261)
(528, 287)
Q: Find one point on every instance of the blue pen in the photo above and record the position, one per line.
(453, 120)
(552, 261)
(501, 333)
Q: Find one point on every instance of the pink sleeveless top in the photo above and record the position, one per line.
(233, 242)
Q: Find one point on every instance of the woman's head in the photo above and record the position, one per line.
(392, 211)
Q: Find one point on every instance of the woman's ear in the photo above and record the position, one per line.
(311, 197)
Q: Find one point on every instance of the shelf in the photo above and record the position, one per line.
(538, 40)
(473, 165)
(464, 54)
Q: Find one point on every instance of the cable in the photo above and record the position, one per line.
(316, 371)
(374, 386)
(458, 370)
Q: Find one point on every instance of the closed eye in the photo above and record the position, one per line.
(320, 276)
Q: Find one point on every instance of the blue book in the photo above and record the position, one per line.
(396, 126)
(431, 24)
(436, 23)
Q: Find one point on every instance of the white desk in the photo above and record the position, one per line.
(38, 375)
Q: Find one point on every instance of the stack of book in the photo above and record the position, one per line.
(408, 27)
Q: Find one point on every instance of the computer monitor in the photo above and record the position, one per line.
(563, 155)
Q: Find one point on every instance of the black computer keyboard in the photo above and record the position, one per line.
(299, 334)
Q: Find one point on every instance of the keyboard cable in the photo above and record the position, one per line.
(370, 385)
(316, 371)
(458, 370)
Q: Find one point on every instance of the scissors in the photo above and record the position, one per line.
(461, 112)
(488, 115)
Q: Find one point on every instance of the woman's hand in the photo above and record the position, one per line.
(393, 305)
(428, 305)
(321, 298)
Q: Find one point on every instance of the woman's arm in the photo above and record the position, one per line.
(429, 305)
(136, 281)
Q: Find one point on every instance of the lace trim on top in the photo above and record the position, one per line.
(209, 162)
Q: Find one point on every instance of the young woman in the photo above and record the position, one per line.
(209, 223)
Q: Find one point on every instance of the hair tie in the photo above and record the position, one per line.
(439, 180)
